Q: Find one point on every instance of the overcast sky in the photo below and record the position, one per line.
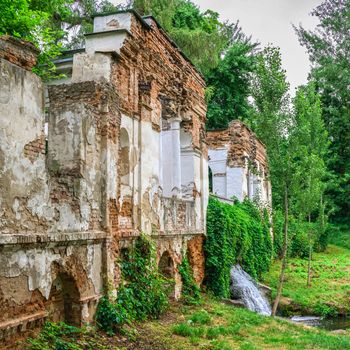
(270, 21)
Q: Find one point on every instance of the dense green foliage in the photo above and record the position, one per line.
(235, 234)
(142, 293)
(297, 144)
(339, 235)
(329, 49)
(298, 243)
(230, 82)
(200, 35)
(190, 293)
(220, 50)
(51, 25)
(273, 120)
(29, 20)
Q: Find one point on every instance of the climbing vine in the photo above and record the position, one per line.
(142, 293)
(190, 293)
(238, 233)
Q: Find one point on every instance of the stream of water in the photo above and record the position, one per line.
(330, 324)
(244, 287)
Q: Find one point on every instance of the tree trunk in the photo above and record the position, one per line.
(284, 255)
(310, 257)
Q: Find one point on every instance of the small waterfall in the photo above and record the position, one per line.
(245, 288)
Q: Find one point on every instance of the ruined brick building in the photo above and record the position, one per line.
(238, 164)
(114, 148)
(88, 162)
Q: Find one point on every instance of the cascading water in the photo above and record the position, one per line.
(244, 287)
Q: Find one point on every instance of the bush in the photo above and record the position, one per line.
(142, 293)
(238, 233)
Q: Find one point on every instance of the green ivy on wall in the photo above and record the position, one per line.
(142, 293)
(190, 293)
(237, 233)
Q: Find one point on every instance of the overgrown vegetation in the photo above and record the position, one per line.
(237, 233)
(142, 293)
(190, 293)
(56, 336)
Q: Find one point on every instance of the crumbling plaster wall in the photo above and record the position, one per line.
(23, 178)
(154, 82)
(238, 161)
(51, 213)
(70, 210)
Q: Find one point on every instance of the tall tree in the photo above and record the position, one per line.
(273, 124)
(329, 49)
(200, 35)
(230, 86)
(221, 51)
(311, 145)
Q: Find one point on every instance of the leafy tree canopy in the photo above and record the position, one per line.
(329, 49)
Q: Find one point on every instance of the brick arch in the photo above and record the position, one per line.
(166, 265)
(63, 304)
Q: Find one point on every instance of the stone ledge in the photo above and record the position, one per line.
(23, 320)
(11, 239)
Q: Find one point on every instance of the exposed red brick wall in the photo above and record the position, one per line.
(241, 142)
(35, 148)
(19, 52)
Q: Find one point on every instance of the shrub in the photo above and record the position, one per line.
(238, 233)
(142, 293)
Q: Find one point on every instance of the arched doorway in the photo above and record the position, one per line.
(167, 270)
(63, 304)
(166, 266)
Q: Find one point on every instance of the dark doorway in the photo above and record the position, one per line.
(63, 304)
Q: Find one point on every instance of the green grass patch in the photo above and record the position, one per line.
(217, 327)
(201, 317)
(329, 293)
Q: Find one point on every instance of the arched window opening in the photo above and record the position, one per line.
(124, 157)
(63, 304)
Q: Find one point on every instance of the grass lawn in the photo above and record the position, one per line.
(210, 326)
(330, 290)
